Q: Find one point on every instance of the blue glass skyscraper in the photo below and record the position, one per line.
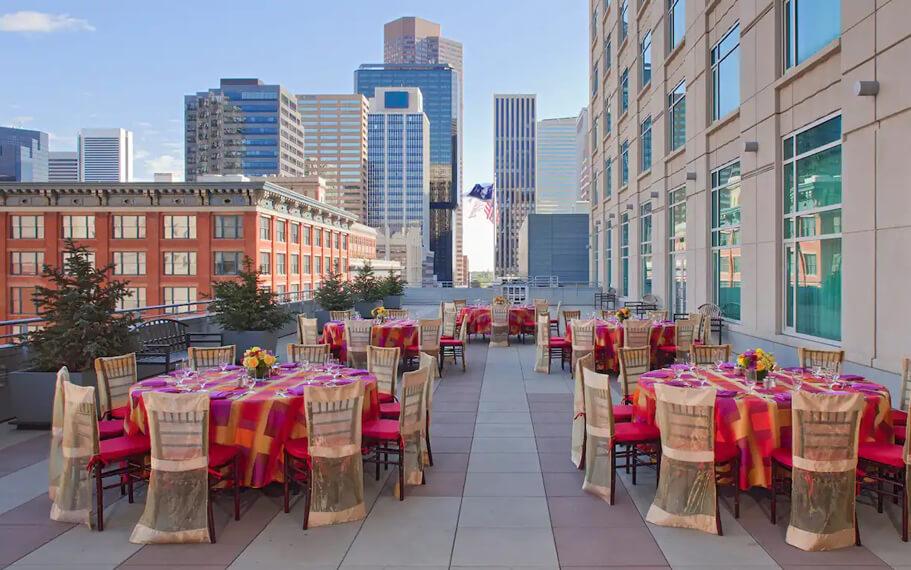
(23, 155)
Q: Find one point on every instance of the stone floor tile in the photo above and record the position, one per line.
(564, 484)
(449, 444)
(592, 511)
(23, 485)
(564, 429)
(451, 430)
(504, 418)
(504, 512)
(504, 430)
(398, 546)
(437, 417)
(503, 406)
(504, 547)
(617, 547)
(437, 484)
(449, 463)
(556, 462)
(554, 444)
(503, 462)
(25, 453)
(504, 445)
(504, 485)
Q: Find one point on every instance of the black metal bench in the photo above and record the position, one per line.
(163, 341)
(640, 307)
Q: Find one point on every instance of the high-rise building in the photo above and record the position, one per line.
(105, 155)
(243, 127)
(514, 139)
(23, 155)
(336, 146)
(583, 153)
(63, 167)
(398, 167)
(439, 85)
(413, 40)
(557, 184)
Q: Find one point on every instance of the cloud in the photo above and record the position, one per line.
(140, 154)
(62, 142)
(173, 145)
(144, 124)
(17, 122)
(41, 22)
(166, 163)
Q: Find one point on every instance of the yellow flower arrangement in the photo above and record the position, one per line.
(757, 360)
(499, 300)
(623, 314)
(379, 312)
(259, 361)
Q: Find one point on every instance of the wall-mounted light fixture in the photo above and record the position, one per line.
(866, 88)
(750, 146)
(653, 194)
(691, 176)
(612, 215)
(629, 206)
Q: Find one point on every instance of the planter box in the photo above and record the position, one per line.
(365, 308)
(322, 317)
(392, 302)
(32, 395)
(248, 339)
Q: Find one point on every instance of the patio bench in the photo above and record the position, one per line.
(163, 341)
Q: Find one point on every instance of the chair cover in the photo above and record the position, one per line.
(578, 434)
(687, 495)
(542, 344)
(115, 375)
(706, 354)
(412, 421)
(307, 330)
(312, 353)
(429, 330)
(337, 472)
(599, 433)
(384, 364)
(825, 431)
(636, 333)
(73, 499)
(207, 358)
(698, 319)
(449, 319)
(583, 339)
(397, 313)
(55, 460)
(684, 335)
(655, 315)
(828, 359)
(178, 494)
(568, 317)
(499, 325)
(357, 339)
(340, 315)
(428, 364)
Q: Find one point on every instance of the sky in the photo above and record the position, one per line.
(105, 63)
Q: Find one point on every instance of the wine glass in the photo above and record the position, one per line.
(719, 365)
(750, 381)
(223, 367)
(798, 381)
(250, 382)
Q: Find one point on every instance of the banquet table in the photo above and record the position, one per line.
(761, 422)
(479, 317)
(609, 335)
(401, 333)
(258, 424)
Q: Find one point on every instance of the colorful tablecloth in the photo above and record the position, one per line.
(610, 335)
(479, 318)
(400, 333)
(760, 423)
(258, 424)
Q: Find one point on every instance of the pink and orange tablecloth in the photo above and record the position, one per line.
(479, 318)
(400, 333)
(258, 424)
(761, 422)
(609, 335)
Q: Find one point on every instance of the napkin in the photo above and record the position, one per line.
(170, 390)
(676, 383)
(296, 390)
(782, 397)
(866, 386)
(358, 373)
(726, 393)
(795, 369)
(154, 383)
(853, 378)
(728, 365)
(219, 394)
(233, 367)
(658, 374)
(322, 377)
(288, 365)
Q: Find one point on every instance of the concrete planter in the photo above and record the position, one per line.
(32, 395)
(248, 339)
(392, 302)
(365, 308)
(322, 317)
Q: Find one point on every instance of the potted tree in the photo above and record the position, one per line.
(334, 294)
(79, 309)
(367, 290)
(393, 287)
(249, 314)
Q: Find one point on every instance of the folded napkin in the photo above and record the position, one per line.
(658, 374)
(726, 393)
(343, 381)
(154, 383)
(288, 365)
(728, 365)
(219, 394)
(852, 378)
(678, 383)
(795, 369)
(866, 386)
(764, 391)
(782, 397)
(296, 390)
(175, 373)
(680, 367)
(233, 367)
(322, 377)
(358, 373)
(170, 390)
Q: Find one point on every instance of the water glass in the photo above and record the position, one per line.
(719, 365)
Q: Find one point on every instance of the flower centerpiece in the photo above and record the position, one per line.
(259, 362)
(756, 362)
(379, 313)
(623, 314)
(499, 300)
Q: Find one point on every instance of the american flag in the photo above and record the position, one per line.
(484, 197)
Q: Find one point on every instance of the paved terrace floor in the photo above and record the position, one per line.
(502, 494)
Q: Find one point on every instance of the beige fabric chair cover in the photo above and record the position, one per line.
(829, 359)
(449, 319)
(699, 319)
(340, 315)
(599, 433)
(313, 353)
(357, 339)
(684, 335)
(906, 386)
(116, 375)
(337, 472)
(687, 492)
(397, 314)
(654, 315)
(384, 364)
(636, 333)
(542, 344)
(707, 354)
(207, 358)
(499, 325)
(578, 434)
(583, 339)
(428, 365)
(634, 362)
(178, 495)
(73, 499)
(430, 335)
(55, 460)
(307, 330)
(568, 317)
(823, 479)
(412, 420)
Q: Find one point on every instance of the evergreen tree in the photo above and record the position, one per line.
(243, 305)
(334, 294)
(365, 284)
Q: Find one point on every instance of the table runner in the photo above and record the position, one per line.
(400, 333)
(608, 335)
(479, 318)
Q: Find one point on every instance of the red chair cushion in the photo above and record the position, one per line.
(381, 429)
(298, 448)
(899, 417)
(631, 433)
(390, 410)
(881, 453)
(413, 348)
(668, 348)
(623, 413)
(384, 397)
(446, 337)
(450, 342)
(221, 455)
(555, 320)
(529, 324)
(110, 428)
(123, 447)
(120, 413)
(560, 343)
(725, 452)
(783, 455)
(899, 433)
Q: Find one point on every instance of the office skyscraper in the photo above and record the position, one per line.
(23, 155)
(243, 127)
(583, 154)
(336, 146)
(105, 155)
(413, 40)
(514, 140)
(439, 85)
(63, 167)
(556, 188)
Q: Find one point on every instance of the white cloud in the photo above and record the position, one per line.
(144, 124)
(42, 22)
(165, 163)
(62, 143)
(173, 145)
(17, 122)
(140, 154)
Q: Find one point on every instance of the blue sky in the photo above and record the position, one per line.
(106, 63)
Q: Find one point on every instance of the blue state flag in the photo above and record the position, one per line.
(482, 192)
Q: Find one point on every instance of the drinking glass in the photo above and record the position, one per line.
(750, 381)
(798, 381)
(223, 367)
(250, 382)
(719, 365)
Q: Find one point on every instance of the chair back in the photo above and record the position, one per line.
(412, 421)
(429, 332)
(825, 431)
(537, 302)
(656, 315)
(334, 416)
(177, 498)
(340, 315)
(429, 366)
(684, 335)
(116, 375)
(599, 431)
(636, 334)
(357, 335)
(499, 315)
(706, 354)
(207, 358)
(583, 332)
(397, 314)
(73, 500)
(687, 493)
(315, 354)
(459, 303)
(384, 364)
(651, 299)
(55, 460)
(542, 344)
(709, 311)
(587, 362)
(307, 330)
(605, 314)
(569, 316)
(450, 317)
(830, 360)
(698, 319)
(499, 325)
(543, 309)
(906, 384)
(634, 362)
(559, 309)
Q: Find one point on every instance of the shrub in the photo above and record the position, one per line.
(243, 305)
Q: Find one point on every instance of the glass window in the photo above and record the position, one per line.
(809, 25)
(594, 23)
(265, 262)
(676, 216)
(624, 91)
(229, 227)
(726, 239)
(26, 262)
(280, 264)
(21, 301)
(645, 145)
(228, 262)
(306, 264)
(79, 227)
(645, 248)
(812, 231)
(265, 228)
(345, 241)
(624, 255)
(595, 132)
(676, 102)
(318, 265)
(318, 237)
(280, 236)
(608, 177)
(645, 59)
(180, 227)
(26, 227)
(129, 227)
(295, 264)
(595, 81)
(179, 295)
(180, 263)
(136, 298)
(726, 74)
(608, 257)
(306, 235)
(624, 20)
(607, 121)
(624, 164)
(90, 256)
(594, 186)
(295, 233)
(607, 54)
(676, 22)
(129, 262)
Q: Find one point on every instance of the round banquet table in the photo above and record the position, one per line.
(256, 424)
(479, 317)
(761, 422)
(400, 333)
(609, 335)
